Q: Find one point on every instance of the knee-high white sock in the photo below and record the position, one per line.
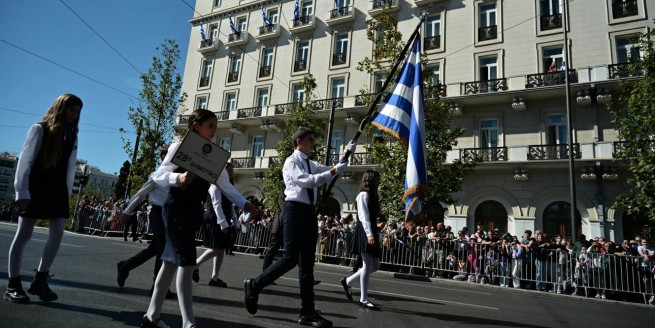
(218, 262)
(51, 247)
(162, 283)
(208, 254)
(184, 285)
(369, 265)
(22, 236)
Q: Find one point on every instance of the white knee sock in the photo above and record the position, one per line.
(218, 262)
(22, 236)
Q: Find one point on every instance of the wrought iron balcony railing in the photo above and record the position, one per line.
(546, 152)
(273, 161)
(302, 20)
(620, 151)
(223, 115)
(434, 91)
(206, 43)
(487, 33)
(433, 42)
(341, 12)
(204, 81)
(233, 77)
(622, 70)
(183, 119)
(485, 86)
(243, 162)
(249, 112)
(550, 22)
(362, 100)
(621, 9)
(339, 59)
(283, 108)
(266, 29)
(363, 159)
(494, 154)
(234, 37)
(299, 65)
(548, 79)
(264, 71)
(377, 4)
(323, 104)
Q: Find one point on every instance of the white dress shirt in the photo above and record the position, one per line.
(28, 155)
(362, 212)
(298, 179)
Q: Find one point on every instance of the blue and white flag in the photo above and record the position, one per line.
(296, 11)
(337, 6)
(203, 36)
(402, 117)
(267, 21)
(232, 27)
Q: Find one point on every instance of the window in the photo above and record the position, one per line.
(257, 145)
(627, 48)
(231, 101)
(307, 8)
(378, 81)
(336, 142)
(436, 90)
(553, 59)
(266, 62)
(262, 97)
(226, 144)
(213, 31)
(273, 16)
(340, 49)
(235, 66)
(206, 72)
(624, 8)
(217, 3)
(298, 92)
(432, 38)
(338, 87)
(550, 15)
(489, 133)
(436, 74)
(201, 102)
(488, 68)
(302, 55)
(487, 23)
(242, 24)
(557, 131)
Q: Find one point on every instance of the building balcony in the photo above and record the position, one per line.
(237, 39)
(249, 112)
(326, 104)
(475, 87)
(378, 6)
(268, 32)
(283, 108)
(550, 22)
(494, 154)
(362, 100)
(427, 2)
(340, 16)
(243, 162)
(487, 33)
(551, 152)
(299, 65)
(223, 115)
(622, 70)
(339, 59)
(273, 161)
(208, 46)
(302, 24)
(549, 79)
(264, 71)
(435, 91)
(622, 9)
(619, 149)
(432, 42)
(232, 77)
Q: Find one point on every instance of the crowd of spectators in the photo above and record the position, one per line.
(9, 212)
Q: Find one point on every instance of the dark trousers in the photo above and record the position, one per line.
(131, 222)
(156, 247)
(273, 248)
(300, 231)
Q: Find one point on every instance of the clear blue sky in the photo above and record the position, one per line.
(47, 28)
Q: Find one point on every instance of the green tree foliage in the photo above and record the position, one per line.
(121, 184)
(302, 114)
(636, 126)
(155, 114)
(443, 179)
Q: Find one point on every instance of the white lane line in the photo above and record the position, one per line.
(411, 297)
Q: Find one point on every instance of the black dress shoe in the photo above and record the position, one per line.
(347, 289)
(196, 275)
(250, 297)
(316, 282)
(121, 273)
(217, 283)
(368, 306)
(157, 323)
(314, 320)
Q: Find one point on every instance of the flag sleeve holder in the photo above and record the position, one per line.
(371, 110)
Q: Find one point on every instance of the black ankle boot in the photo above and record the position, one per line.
(15, 292)
(40, 287)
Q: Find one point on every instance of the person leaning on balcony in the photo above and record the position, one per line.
(552, 68)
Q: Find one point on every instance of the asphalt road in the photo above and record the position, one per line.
(85, 280)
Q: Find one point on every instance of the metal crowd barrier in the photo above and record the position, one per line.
(549, 269)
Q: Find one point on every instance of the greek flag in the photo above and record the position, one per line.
(296, 11)
(267, 21)
(232, 27)
(203, 36)
(402, 117)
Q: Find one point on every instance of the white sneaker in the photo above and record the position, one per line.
(651, 301)
(603, 296)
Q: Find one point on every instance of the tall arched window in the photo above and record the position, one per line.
(557, 220)
(492, 215)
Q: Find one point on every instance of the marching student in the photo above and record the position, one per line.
(366, 238)
(182, 214)
(43, 184)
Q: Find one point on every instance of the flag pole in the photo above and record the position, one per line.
(373, 107)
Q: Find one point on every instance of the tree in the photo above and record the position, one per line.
(302, 114)
(121, 184)
(635, 125)
(155, 115)
(444, 179)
